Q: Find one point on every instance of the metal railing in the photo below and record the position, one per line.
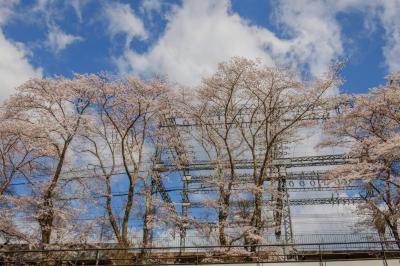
(212, 240)
(109, 254)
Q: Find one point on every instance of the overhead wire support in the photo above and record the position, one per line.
(288, 162)
(305, 201)
(179, 154)
(279, 161)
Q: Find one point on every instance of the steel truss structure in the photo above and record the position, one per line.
(286, 173)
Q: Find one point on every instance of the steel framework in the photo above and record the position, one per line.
(193, 173)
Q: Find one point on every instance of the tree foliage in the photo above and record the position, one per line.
(88, 152)
(368, 126)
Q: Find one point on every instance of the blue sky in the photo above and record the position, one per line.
(185, 40)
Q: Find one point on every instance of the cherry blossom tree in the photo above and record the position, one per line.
(368, 126)
(215, 107)
(18, 158)
(276, 109)
(125, 118)
(50, 113)
(245, 113)
(16, 155)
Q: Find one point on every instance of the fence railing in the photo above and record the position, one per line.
(111, 255)
(212, 240)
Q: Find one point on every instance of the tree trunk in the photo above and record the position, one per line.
(222, 217)
(4, 186)
(129, 203)
(111, 216)
(46, 215)
(147, 221)
(256, 220)
(46, 220)
(395, 232)
(257, 210)
(128, 209)
(147, 227)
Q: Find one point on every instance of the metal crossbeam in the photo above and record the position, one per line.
(247, 177)
(321, 160)
(215, 119)
(301, 202)
(325, 201)
(202, 190)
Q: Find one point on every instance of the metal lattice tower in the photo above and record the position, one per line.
(287, 218)
(279, 175)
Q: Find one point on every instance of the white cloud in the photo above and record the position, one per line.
(150, 6)
(77, 6)
(324, 219)
(51, 10)
(122, 19)
(6, 9)
(58, 40)
(14, 65)
(306, 141)
(318, 27)
(314, 33)
(199, 34)
(391, 22)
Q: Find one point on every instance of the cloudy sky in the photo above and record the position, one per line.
(184, 40)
